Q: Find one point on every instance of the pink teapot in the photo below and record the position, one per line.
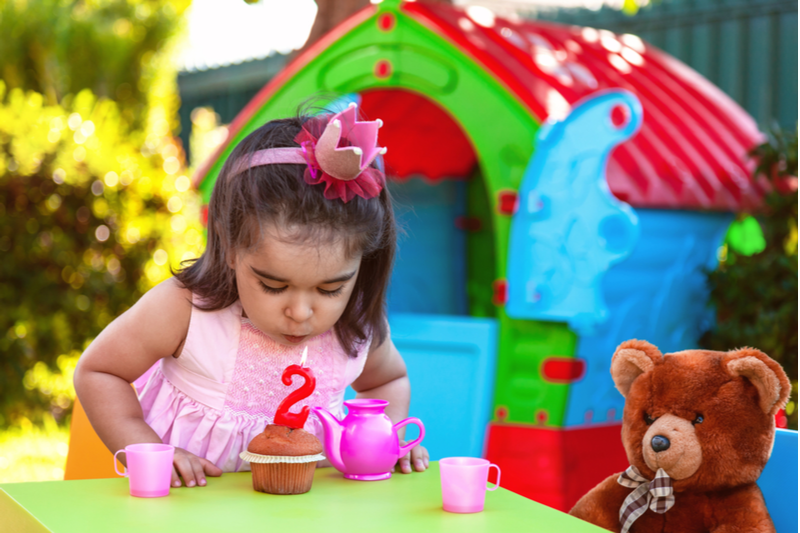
(364, 446)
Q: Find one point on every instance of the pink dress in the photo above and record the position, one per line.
(225, 386)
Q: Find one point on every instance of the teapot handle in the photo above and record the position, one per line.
(405, 449)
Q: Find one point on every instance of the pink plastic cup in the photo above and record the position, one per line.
(464, 483)
(149, 469)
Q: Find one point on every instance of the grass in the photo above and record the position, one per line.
(33, 453)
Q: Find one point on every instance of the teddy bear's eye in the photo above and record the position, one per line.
(698, 420)
(648, 419)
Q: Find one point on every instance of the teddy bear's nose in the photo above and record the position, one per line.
(659, 443)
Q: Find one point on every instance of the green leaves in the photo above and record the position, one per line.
(87, 224)
(756, 295)
(60, 47)
(745, 236)
(95, 205)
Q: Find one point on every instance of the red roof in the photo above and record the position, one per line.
(692, 149)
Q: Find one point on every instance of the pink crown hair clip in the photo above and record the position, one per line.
(340, 157)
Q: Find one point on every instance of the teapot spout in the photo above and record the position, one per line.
(333, 437)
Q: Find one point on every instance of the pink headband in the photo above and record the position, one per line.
(340, 156)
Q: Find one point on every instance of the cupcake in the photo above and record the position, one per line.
(283, 460)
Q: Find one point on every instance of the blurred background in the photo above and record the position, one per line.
(107, 106)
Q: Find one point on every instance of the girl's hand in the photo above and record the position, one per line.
(418, 457)
(192, 469)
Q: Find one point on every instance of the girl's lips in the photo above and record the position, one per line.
(294, 339)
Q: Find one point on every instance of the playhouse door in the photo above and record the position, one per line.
(450, 357)
(450, 361)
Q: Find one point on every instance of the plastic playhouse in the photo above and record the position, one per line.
(561, 190)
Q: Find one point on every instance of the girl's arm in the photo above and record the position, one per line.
(385, 377)
(154, 328)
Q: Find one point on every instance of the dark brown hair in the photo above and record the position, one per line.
(242, 203)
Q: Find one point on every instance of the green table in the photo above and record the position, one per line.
(406, 503)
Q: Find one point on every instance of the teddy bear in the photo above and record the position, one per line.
(698, 427)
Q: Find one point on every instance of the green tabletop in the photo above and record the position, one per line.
(407, 503)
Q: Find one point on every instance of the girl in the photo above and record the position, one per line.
(301, 237)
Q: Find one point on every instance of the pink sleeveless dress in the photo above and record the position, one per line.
(225, 386)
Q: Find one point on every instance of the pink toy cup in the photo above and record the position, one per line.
(149, 469)
(464, 483)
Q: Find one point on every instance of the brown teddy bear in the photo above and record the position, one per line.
(698, 428)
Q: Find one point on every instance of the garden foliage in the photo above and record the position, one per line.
(95, 204)
(756, 295)
(88, 223)
(112, 47)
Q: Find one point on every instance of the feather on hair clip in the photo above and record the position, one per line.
(338, 152)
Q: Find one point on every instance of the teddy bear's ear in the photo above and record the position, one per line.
(762, 371)
(632, 359)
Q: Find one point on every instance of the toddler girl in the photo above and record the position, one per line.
(301, 237)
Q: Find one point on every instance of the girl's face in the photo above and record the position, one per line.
(292, 289)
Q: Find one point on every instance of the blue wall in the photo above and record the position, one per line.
(430, 268)
(451, 363)
(658, 294)
(451, 358)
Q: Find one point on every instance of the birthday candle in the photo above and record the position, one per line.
(283, 416)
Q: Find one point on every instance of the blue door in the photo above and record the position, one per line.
(451, 357)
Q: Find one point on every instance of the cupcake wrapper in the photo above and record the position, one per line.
(283, 478)
(272, 459)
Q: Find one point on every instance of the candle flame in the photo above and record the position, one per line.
(305, 355)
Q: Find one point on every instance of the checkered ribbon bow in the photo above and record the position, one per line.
(656, 494)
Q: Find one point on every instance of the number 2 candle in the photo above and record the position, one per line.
(283, 416)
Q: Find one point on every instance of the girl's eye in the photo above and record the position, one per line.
(697, 420)
(270, 290)
(648, 419)
(333, 293)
